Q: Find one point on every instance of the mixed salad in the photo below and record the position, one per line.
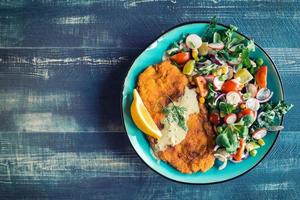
(237, 95)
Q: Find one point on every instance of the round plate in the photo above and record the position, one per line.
(152, 55)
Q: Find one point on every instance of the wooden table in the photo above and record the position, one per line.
(62, 65)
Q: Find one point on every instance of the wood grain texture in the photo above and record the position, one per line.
(62, 66)
(98, 23)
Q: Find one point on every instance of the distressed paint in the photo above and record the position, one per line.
(62, 65)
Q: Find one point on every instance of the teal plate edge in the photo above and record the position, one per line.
(140, 144)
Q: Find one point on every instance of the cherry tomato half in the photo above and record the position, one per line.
(181, 58)
(230, 85)
(245, 112)
(214, 118)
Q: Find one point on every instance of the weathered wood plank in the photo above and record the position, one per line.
(134, 23)
(102, 163)
(70, 90)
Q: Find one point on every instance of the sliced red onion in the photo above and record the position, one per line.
(223, 159)
(214, 58)
(218, 98)
(275, 128)
(202, 64)
(216, 46)
(246, 155)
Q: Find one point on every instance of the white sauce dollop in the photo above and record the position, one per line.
(173, 134)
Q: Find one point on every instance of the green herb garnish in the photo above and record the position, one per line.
(271, 113)
(176, 114)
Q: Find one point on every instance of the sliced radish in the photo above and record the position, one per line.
(230, 118)
(233, 98)
(253, 104)
(234, 62)
(216, 46)
(218, 83)
(209, 78)
(264, 95)
(223, 159)
(193, 41)
(252, 89)
(259, 134)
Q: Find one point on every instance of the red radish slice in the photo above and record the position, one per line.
(234, 62)
(267, 99)
(233, 98)
(230, 118)
(209, 78)
(259, 134)
(193, 41)
(253, 104)
(216, 46)
(218, 83)
(252, 89)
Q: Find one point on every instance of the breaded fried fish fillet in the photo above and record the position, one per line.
(156, 85)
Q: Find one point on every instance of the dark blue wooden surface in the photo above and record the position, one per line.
(62, 64)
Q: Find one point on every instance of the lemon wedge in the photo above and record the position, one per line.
(142, 117)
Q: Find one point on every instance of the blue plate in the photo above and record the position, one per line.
(152, 55)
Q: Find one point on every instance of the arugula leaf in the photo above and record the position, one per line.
(226, 108)
(176, 114)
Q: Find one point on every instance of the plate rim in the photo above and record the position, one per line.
(122, 97)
